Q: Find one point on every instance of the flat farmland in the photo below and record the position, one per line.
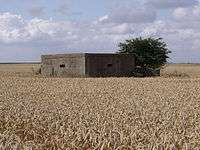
(184, 70)
(23, 67)
(99, 113)
(20, 69)
(170, 70)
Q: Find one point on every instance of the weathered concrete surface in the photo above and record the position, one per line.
(63, 65)
(107, 65)
(88, 65)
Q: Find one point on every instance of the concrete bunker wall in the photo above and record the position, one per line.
(63, 65)
(102, 65)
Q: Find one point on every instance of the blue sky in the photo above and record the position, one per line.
(29, 29)
(72, 10)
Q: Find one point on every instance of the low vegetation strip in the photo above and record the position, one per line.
(20, 67)
(112, 113)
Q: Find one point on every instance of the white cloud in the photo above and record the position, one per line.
(181, 40)
(180, 13)
(36, 11)
(129, 15)
(117, 29)
(49, 35)
(187, 14)
(103, 18)
(162, 4)
(10, 21)
(65, 10)
(13, 28)
(41, 36)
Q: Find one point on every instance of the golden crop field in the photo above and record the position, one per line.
(19, 67)
(181, 70)
(99, 113)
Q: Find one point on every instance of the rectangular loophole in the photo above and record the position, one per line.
(62, 66)
(109, 65)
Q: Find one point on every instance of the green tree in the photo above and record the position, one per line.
(149, 52)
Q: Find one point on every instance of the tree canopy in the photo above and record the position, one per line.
(149, 52)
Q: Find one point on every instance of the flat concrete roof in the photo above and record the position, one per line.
(81, 55)
(63, 55)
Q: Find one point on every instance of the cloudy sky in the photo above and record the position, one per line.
(29, 28)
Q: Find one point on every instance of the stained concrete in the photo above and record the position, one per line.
(63, 65)
(88, 65)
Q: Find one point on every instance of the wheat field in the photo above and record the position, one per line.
(181, 70)
(99, 113)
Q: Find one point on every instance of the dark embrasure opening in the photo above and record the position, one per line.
(62, 66)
